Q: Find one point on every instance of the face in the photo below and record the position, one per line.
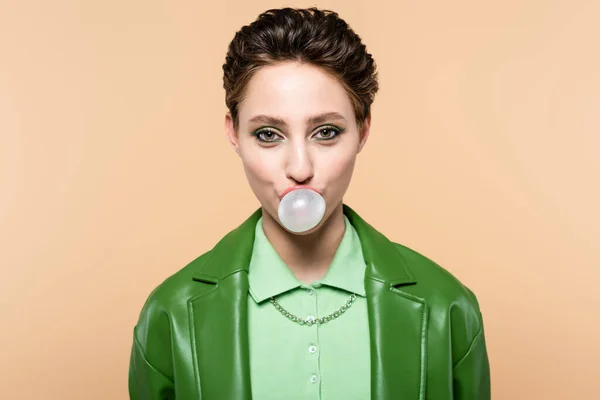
(296, 127)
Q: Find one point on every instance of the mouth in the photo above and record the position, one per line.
(286, 191)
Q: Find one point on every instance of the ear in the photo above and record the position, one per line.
(231, 133)
(364, 132)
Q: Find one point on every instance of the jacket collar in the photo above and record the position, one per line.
(384, 263)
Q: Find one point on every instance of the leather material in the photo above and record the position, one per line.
(426, 330)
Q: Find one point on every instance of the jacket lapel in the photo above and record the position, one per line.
(219, 319)
(397, 320)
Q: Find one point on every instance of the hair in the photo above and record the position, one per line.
(316, 37)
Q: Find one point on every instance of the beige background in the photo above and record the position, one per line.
(115, 172)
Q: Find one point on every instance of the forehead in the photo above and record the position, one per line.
(293, 91)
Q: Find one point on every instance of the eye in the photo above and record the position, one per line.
(328, 133)
(266, 135)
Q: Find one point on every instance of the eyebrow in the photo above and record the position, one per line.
(312, 120)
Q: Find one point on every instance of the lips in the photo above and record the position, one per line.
(286, 191)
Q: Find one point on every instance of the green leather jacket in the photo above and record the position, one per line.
(426, 330)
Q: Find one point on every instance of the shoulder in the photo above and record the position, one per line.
(431, 275)
(171, 294)
(164, 306)
(442, 290)
(452, 304)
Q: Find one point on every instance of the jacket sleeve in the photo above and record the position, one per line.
(472, 372)
(151, 362)
(145, 381)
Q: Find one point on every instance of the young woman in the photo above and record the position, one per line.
(328, 310)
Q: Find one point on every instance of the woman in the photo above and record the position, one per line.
(336, 311)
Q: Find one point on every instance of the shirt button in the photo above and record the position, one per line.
(310, 292)
(313, 379)
(312, 349)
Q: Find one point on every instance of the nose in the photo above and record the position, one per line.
(299, 166)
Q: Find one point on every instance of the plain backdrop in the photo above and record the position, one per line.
(115, 173)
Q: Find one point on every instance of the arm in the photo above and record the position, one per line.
(146, 382)
(472, 372)
(151, 363)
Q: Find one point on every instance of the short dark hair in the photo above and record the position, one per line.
(316, 37)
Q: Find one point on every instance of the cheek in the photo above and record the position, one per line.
(339, 168)
(258, 168)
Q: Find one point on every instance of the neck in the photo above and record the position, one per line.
(307, 256)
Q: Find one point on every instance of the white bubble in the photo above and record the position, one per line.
(301, 210)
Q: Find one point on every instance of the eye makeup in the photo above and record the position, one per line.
(261, 133)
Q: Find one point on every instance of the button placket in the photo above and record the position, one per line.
(313, 354)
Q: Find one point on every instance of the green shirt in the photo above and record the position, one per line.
(292, 361)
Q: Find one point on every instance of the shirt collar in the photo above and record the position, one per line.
(269, 276)
(347, 269)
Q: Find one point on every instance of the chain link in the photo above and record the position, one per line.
(317, 321)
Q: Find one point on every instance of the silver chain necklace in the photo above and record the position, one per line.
(310, 321)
